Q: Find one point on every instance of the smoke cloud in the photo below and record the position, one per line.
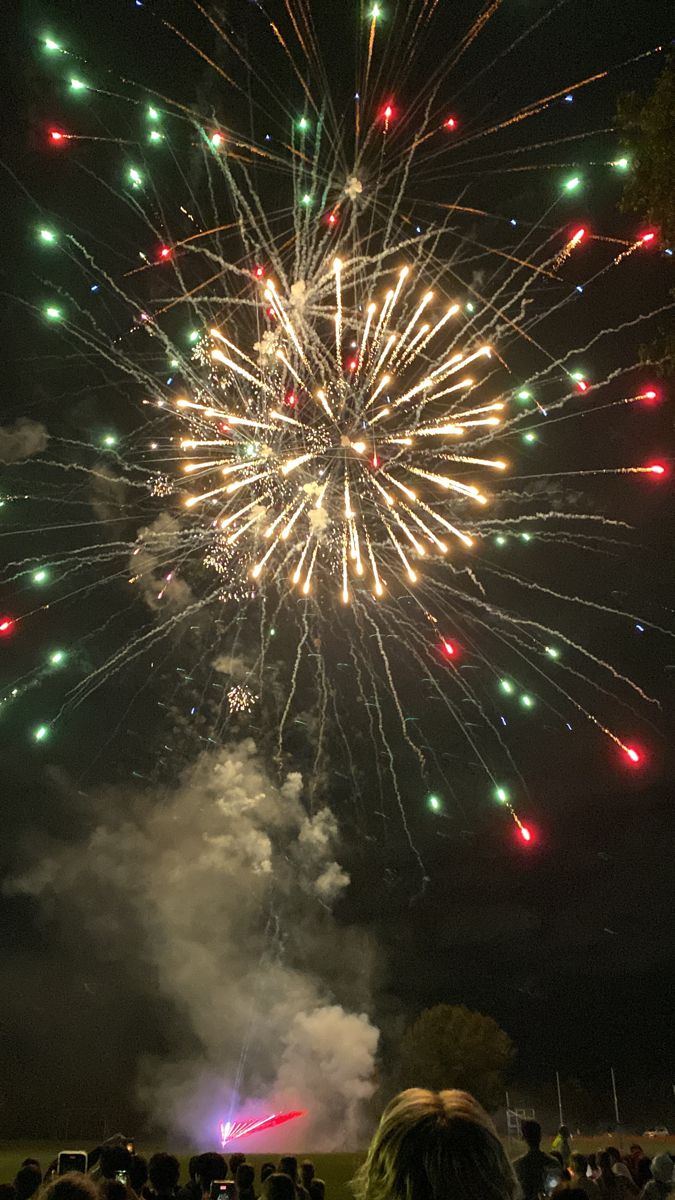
(151, 565)
(221, 891)
(20, 440)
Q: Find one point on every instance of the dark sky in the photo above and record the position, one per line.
(569, 943)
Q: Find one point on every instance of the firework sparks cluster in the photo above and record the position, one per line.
(338, 398)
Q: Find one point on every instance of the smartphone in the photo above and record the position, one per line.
(553, 1178)
(223, 1189)
(121, 1176)
(71, 1160)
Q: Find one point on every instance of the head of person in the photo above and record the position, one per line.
(113, 1160)
(279, 1186)
(564, 1133)
(306, 1172)
(430, 1145)
(114, 1189)
(163, 1173)
(266, 1170)
(288, 1165)
(317, 1189)
(210, 1166)
(192, 1167)
(606, 1162)
(137, 1176)
(245, 1177)
(71, 1186)
(614, 1154)
(235, 1162)
(27, 1182)
(7, 1191)
(530, 1131)
(32, 1162)
(662, 1168)
(636, 1151)
(579, 1165)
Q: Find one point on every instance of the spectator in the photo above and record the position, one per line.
(266, 1170)
(317, 1189)
(632, 1158)
(579, 1179)
(114, 1189)
(279, 1186)
(71, 1186)
(307, 1174)
(7, 1191)
(288, 1165)
(622, 1171)
(432, 1145)
(114, 1160)
(209, 1166)
(245, 1181)
(32, 1162)
(164, 1173)
(192, 1190)
(536, 1170)
(614, 1154)
(27, 1182)
(235, 1162)
(562, 1145)
(593, 1166)
(661, 1184)
(643, 1171)
(612, 1186)
(137, 1176)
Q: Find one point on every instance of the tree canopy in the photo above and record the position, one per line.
(648, 127)
(449, 1046)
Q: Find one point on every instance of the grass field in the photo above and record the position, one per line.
(336, 1169)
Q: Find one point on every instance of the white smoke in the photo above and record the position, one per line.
(151, 563)
(20, 440)
(225, 884)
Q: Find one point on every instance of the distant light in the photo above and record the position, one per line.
(375, 12)
(647, 238)
(303, 124)
(640, 628)
(529, 437)
(77, 85)
(526, 700)
(307, 199)
(572, 184)
(40, 733)
(135, 177)
(434, 803)
(449, 649)
(40, 576)
(668, 251)
(657, 469)
(418, 229)
(524, 395)
(579, 289)
(451, 123)
(58, 657)
(94, 287)
(621, 163)
(634, 756)
(501, 795)
(259, 272)
(582, 385)
(193, 335)
(47, 235)
(216, 139)
(506, 686)
(51, 45)
(513, 221)
(387, 112)
(470, 307)
(569, 99)
(55, 135)
(165, 252)
(153, 115)
(500, 539)
(553, 652)
(169, 381)
(7, 626)
(52, 313)
(525, 833)
(650, 395)
(155, 136)
(109, 440)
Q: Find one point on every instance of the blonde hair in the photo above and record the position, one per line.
(435, 1146)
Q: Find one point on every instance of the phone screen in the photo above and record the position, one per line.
(121, 1176)
(72, 1160)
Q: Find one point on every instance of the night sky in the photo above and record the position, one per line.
(568, 943)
